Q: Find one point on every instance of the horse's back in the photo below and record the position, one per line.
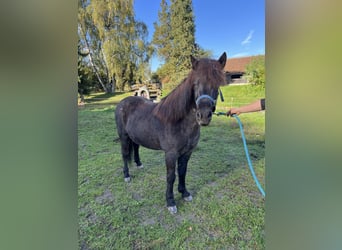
(131, 102)
(130, 105)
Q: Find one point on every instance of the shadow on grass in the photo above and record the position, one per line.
(106, 98)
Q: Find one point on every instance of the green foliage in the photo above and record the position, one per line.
(85, 81)
(162, 32)
(119, 51)
(183, 34)
(255, 71)
(174, 41)
(227, 211)
(85, 75)
(155, 77)
(88, 36)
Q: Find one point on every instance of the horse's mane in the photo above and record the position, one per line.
(179, 102)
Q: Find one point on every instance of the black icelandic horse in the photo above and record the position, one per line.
(172, 125)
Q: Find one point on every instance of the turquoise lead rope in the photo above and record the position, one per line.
(247, 153)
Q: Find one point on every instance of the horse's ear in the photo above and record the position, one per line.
(222, 60)
(194, 62)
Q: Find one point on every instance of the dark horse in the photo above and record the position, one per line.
(172, 125)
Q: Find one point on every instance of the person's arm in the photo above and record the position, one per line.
(252, 107)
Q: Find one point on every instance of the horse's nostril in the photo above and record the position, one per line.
(199, 115)
(209, 115)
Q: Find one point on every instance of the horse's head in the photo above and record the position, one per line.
(207, 76)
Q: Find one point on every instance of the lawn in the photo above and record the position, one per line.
(227, 211)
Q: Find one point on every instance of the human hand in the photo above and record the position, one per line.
(233, 111)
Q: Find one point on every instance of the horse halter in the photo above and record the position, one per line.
(205, 96)
(210, 98)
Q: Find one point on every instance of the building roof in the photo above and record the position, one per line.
(238, 64)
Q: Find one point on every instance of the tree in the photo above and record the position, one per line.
(117, 43)
(88, 39)
(255, 71)
(85, 75)
(162, 32)
(183, 34)
(174, 41)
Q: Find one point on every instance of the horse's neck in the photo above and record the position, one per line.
(177, 105)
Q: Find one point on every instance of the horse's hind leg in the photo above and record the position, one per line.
(136, 155)
(182, 167)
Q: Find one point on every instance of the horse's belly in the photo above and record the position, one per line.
(151, 144)
(143, 134)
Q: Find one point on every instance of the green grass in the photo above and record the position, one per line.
(227, 211)
(234, 96)
(238, 95)
(106, 98)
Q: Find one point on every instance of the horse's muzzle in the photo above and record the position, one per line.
(204, 118)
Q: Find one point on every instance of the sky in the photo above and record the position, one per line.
(236, 27)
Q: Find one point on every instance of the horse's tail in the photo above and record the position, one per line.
(126, 142)
(126, 147)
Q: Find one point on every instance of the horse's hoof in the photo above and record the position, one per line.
(127, 179)
(141, 166)
(172, 210)
(188, 198)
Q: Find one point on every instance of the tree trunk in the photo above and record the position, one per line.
(113, 84)
(92, 63)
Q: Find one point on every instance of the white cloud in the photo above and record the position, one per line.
(242, 54)
(248, 39)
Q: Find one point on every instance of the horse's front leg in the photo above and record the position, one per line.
(170, 160)
(182, 167)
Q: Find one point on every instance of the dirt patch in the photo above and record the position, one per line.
(149, 221)
(106, 196)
